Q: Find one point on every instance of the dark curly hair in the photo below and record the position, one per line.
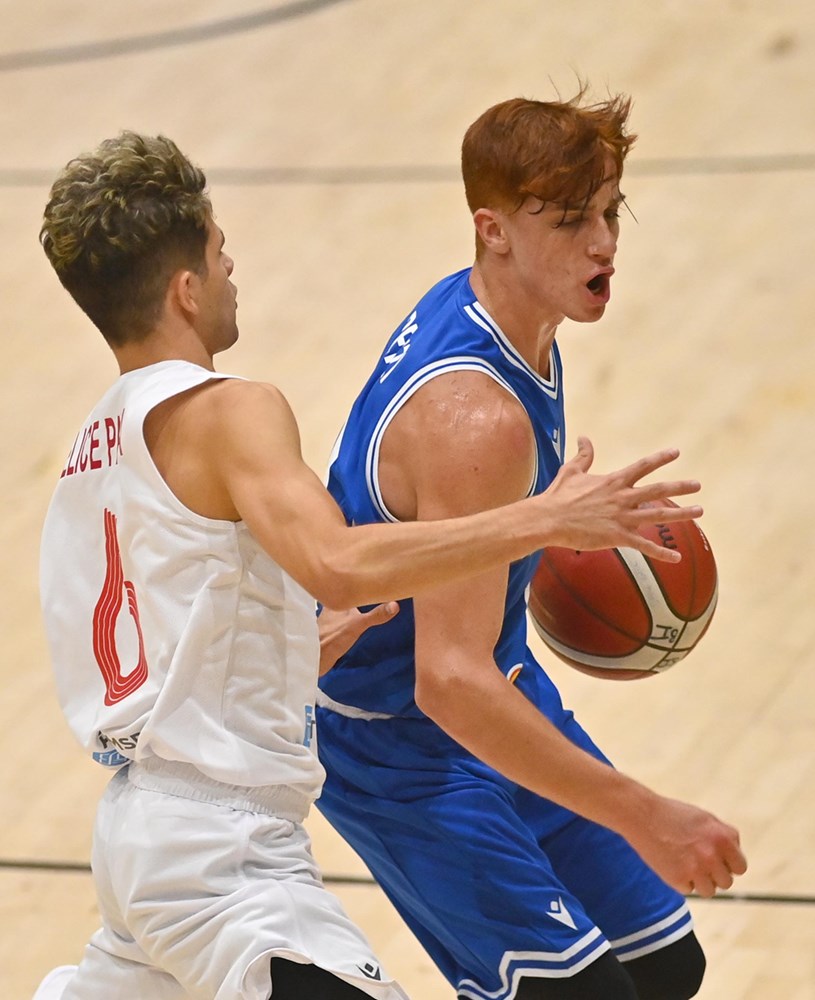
(119, 222)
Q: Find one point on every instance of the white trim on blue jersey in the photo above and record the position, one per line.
(478, 314)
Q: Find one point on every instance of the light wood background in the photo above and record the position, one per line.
(330, 132)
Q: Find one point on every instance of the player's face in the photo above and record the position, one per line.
(563, 257)
(219, 301)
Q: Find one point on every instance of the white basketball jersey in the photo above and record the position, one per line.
(172, 635)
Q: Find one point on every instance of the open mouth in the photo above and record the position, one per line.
(598, 284)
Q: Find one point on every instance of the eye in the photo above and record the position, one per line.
(570, 220)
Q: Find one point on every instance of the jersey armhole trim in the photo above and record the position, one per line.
(414, 383)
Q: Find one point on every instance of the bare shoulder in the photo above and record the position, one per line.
(463, 439)
(224, 394)
(225, 405)
(204, 438)
(222, 417)
(468, 410)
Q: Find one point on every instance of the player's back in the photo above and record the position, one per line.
(447, 331)
(172, 634)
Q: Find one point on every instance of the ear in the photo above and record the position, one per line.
(489, 227)
(183, 290)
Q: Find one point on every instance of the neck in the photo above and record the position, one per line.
(160, 345)
(530, 333)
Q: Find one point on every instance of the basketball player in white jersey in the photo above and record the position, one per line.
(182, 552)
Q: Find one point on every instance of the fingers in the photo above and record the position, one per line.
(704, 886)
(659, 492)
(708, 885)
(653, 513)
(603, 511)
(723, 863)
(585, 454)
(734, 856)
(378, 615)
(632, 474)
(663, 515)
(360, 622)
(339, 630)
(653, 550)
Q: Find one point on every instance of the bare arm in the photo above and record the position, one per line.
(231, 450)
(457, 626)
(461, 689)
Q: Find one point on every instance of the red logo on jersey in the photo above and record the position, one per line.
(106, 614)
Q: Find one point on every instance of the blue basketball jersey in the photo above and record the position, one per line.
(447, 331)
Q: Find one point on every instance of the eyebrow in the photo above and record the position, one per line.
(579, 208)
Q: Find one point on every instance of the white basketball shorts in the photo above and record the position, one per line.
(197, 895)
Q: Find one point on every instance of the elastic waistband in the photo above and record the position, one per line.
(187, 782)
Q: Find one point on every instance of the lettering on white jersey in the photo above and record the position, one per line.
(90, 452)
(400, 346)
(111, 755)
(119, 742)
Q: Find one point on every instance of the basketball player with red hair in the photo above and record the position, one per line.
(526, 865)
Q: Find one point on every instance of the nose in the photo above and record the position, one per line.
(603, 243)
(229, 264)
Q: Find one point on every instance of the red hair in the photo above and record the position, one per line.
(556, 151)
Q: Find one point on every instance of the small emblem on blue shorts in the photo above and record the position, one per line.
(557, 909)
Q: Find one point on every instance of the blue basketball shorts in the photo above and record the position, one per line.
(496, 883)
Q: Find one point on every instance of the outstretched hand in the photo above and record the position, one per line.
(339, 630)
(601, 512)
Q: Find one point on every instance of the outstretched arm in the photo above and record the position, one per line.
(258, 475)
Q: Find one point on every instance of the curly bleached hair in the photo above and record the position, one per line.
(119, 222)
(555, 152)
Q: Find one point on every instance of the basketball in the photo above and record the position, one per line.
(619, 615)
